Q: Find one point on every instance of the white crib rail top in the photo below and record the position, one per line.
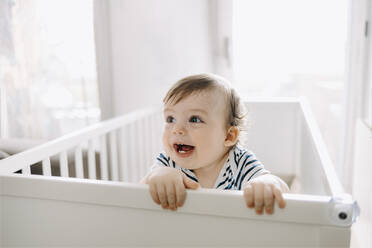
(308, 209)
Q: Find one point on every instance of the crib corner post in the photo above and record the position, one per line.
(344, 211)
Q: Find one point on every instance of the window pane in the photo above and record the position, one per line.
(294, 48)
(47, 67)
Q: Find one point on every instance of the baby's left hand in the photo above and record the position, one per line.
(261, 192)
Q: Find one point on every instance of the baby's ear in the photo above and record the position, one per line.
(231, 136)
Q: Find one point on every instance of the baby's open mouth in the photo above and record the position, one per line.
(184, 149)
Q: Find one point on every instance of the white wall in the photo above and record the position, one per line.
(151, 45)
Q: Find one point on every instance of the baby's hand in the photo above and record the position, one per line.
(262, 191)
(168, 186)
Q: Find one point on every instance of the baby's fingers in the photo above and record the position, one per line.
(249, 196)
(154, 193)
(258, 197)
(278, 196)
(180, 194)
(268, 199)
(171, 196)
(162, 196)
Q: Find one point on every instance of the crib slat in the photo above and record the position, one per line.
(140, 147)
(158, 126)
(79, 162)
(147, 137)
(113, 157)
(63, 164)
(26, 170)
(153, 135)
(132, 148)
(46, 167)
(124, 154)
(103, 158)
(91, 161)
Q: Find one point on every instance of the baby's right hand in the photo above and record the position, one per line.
(168, 186)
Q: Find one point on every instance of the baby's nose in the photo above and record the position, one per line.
(179, 130)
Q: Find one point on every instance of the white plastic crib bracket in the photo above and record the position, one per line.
(344, 211)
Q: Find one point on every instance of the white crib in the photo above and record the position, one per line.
(86, 192)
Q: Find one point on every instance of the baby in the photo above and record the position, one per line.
(203, 118)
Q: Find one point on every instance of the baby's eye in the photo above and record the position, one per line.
(195, 119)
(169, 119)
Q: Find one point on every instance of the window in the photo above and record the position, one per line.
(367, 83)
(294, 48)
(47, 68)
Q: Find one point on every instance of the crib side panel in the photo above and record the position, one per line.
(272, 134)
(139, 144)
(97, 225)
(58, 157)
(311, 176)
(316, 170)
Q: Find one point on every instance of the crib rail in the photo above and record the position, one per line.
(310, 127)
(106, 213)
(314, 209)
(103, 139)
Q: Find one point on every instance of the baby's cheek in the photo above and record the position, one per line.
(165, 139)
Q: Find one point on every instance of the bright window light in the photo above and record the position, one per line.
(294, 48)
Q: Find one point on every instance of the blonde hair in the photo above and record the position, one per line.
(236, 112)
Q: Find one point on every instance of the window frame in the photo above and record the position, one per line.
(366, 104)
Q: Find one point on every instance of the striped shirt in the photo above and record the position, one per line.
(240, 167)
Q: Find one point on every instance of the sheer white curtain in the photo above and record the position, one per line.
(47, 68)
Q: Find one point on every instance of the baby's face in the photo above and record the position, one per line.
(195, 130)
